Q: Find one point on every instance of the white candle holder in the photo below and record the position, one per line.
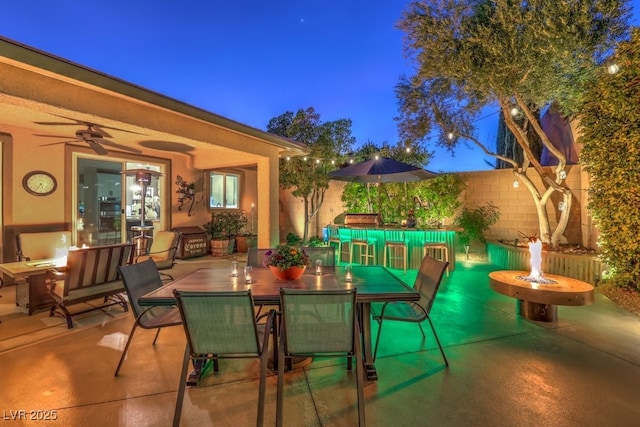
(247, 274)
(319, 267)
(348, 275)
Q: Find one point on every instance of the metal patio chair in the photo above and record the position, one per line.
(319, 323)
(427, 284)
(221, 325)
(140, 279)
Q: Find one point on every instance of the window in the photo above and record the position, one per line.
(224, 190)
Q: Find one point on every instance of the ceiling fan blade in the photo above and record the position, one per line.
(97, 127)
(121, 147)
(59, 142)
(51, 136)
(99, 149)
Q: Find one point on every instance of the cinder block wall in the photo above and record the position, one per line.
(516, 206)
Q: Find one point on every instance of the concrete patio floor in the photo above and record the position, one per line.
(582, 371)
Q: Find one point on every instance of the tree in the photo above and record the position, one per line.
(519, 56)
(610, 125)
(307, 176)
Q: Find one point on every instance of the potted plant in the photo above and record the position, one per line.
(245, 240)
(287, 262)
(223, 229)
(474, 223)
(218, 230)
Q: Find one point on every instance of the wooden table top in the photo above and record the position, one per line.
(374, 283)
(566, 290)
(23, 269)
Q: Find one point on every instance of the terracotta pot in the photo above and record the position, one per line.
(291, 273)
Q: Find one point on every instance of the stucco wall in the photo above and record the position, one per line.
(517, 210)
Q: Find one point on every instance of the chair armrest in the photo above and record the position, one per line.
(149, 254)
(51, 277)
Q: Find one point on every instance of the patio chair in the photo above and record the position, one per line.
(427, 284)
(255, 256)
(221, 325)
(327, 254)
(140, 279)
(162, 251)
(319, 323)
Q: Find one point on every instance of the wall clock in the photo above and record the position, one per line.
(39, 183)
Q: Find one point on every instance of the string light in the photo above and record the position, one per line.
(613, 68)
(450, 135)
(562, 174)
(562, 206)
(515, 111)
(516, 184)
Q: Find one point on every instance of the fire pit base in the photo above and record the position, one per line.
(539, 301)
(538, 312)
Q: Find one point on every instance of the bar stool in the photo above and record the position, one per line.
(335, 237)
(367, 246)
(437, 250)
(394, 242)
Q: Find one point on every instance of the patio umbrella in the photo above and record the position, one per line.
(379, 171)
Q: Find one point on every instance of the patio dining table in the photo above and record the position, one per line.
(374, 284)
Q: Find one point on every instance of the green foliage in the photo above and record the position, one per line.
(225, 225)
(293, 239)
(470, 55)
(438, 198)
(474, 222)
(610, 122)
(432, 200)
(306, 176)
(315, 241)
(396, 198)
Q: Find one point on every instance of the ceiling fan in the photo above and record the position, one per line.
(94, 136)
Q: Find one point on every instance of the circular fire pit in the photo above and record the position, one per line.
(538, 301)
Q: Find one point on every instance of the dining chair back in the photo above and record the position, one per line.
(326, 254)
(138, 280)
(427, 284)
(317, 323)
(221, 325)
(255, 256)
(162, 251)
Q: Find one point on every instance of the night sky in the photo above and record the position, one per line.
(247, 61)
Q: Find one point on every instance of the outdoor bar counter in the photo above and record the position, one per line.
(415, 239)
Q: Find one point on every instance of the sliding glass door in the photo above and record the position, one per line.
(108, 202)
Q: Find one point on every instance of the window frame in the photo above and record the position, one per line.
(224, 174)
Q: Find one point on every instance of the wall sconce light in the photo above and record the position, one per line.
(186, 193)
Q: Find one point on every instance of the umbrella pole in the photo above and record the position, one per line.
(380, 199)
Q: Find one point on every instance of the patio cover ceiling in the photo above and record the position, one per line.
(48, 95)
